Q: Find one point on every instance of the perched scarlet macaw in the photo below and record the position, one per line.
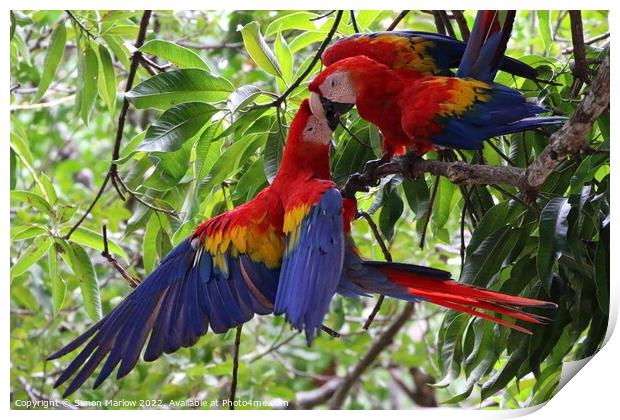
(287, 251)
(396, 89)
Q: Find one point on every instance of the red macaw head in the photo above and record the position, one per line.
(334, 90)
(308, 128)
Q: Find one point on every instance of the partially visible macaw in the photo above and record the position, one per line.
(287, 251)
(414, 53)
(392, 88)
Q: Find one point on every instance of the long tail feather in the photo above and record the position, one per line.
(486, 46)
(434, 286)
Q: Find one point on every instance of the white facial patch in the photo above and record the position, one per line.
(337, 87)
(316, 131)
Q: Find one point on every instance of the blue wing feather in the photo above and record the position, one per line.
(175, 305)
(311, 269)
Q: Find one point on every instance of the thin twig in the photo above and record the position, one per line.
(459, 17)
(82, 27)
(354, 22)
(235, 371)
(133, 282)
(276, 102)
(590, 41)
(446, 21)
(397, 20)
(388, 257)
(113, 171)
(136, 196)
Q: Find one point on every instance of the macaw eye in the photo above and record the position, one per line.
(310, 129)
(333, 83)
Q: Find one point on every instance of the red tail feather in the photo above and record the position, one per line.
(466, 298)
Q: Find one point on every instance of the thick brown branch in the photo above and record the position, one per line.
(571, 138)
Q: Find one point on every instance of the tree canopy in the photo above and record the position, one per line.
(129, 128)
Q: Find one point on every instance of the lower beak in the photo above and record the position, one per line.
(331, 111)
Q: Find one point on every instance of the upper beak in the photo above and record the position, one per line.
(322, 107)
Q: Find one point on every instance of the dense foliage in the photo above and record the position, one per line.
(202, 136)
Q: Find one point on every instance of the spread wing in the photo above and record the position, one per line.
(221, 276)
(423, 52)
(312, 261)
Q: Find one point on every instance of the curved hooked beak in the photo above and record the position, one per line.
(330, 111)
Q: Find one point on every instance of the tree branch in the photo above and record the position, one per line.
(384, 340)
(580, 70)
(336, 390)
(397, 20)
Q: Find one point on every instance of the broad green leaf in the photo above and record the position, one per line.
(53, 56)
(305, 39)
(242, 97)
(450, 346)
(365, 17)
(84, 270)
(31, 255)
(176, 126)
(174, 87)
(107, 78)
(391, 211)
(544, 26)
(88, 92)
(32, 199)
(445, 202)
(272, 155)
(258, 49)
(149, 243)
(20, 233)
(13, 163)
(296, 20)
(552, 229)
(417, 195)
(176, 54)
(284, 57)
(13, 24)
(229, 161)
(250, 183)
(22, 151)
(59, 287)
(50, 190)
(94, 240)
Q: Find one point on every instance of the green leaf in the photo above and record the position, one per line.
(445, 202)
(258, 49)
(450, 346)
(552, 229)
(13, 163)
(391, 210)
(88, 91)
(32, 199)
(107, 79)
(149, 243)
(53, 56)
(174, 87)
(13, 24)
(176, 126)
(365, 17)
(417, 195)
(83, 268)
(20, 233)
(229, 161)
(297, 20)
(241, 97)
(31, 255)
(284, 57)
(272, 155)
(59, 287)
(181, 56)
(94, 240)
(544, 26)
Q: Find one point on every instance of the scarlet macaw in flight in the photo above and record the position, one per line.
(412, 99)
(287, 251)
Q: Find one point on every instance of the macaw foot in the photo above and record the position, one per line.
(370, 168)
